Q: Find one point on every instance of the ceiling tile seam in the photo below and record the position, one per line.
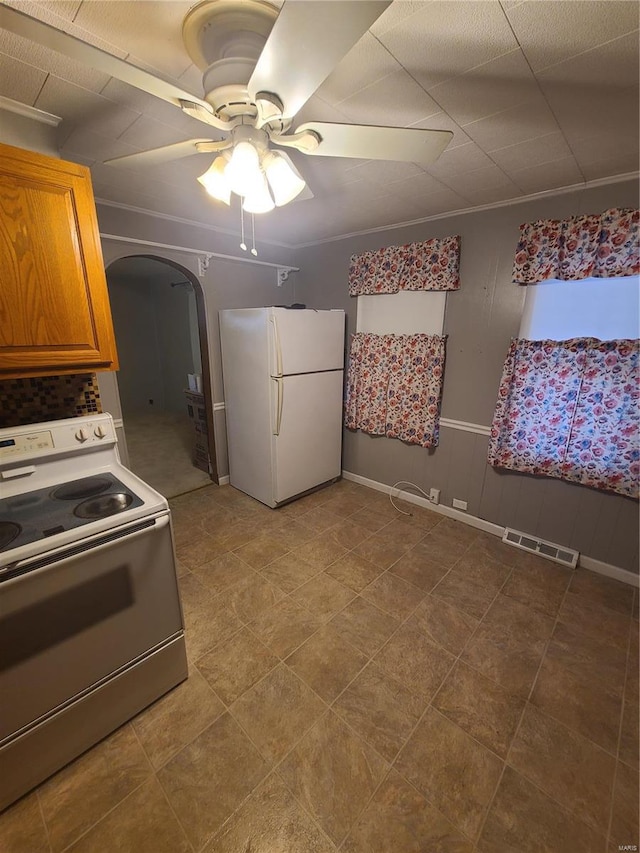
(134, 60)
(448, 79)
(47, 74)
(540, 89)
(471, 172)
(525, 142)
(537, 165)
(77, 12)
(443, 110)
(377, 80)
(588, 50)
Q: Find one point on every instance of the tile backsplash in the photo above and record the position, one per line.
(48, 398)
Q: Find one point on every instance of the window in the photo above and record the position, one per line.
(604, 308)
(568, 400)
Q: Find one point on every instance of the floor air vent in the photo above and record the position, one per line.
(538, 546)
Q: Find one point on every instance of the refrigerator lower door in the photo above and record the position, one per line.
(307, 426)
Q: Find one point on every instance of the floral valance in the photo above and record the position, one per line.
(603, 245)
(394, 386)
(430, 265)
(569, 409)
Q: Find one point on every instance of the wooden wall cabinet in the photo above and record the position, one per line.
(54, 306)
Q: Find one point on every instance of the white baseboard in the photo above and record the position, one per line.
(479, 523)
(608, 570)
(223, 480)
(471, 520)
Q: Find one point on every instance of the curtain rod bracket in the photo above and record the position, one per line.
(283, 275)
(203, 264)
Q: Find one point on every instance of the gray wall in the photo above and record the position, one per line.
(155, 333)
(480, 319)
(134, 320)
(24, 132)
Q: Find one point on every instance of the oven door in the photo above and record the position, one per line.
(71, 619)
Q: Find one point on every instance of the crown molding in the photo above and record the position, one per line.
(585, 185)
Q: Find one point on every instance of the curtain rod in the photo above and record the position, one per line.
(204, 255)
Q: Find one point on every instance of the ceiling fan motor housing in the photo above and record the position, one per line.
(225, 38)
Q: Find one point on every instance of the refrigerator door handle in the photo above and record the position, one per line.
(279, 404)
(277, 348)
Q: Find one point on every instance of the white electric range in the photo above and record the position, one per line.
(91, 628)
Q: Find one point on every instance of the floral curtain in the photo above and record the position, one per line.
(430, 265)
(394, 386)
(600, 245)
(569, 409)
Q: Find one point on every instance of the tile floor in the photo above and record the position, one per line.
(367, 682)
(166, 462)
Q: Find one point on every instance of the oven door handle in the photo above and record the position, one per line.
(100, 543)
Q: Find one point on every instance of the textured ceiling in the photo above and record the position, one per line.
(539, 94)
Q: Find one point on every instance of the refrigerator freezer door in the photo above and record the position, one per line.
(305, 341)
(307, 448)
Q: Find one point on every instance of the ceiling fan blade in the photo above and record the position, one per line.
(369, 142)
(307, 41)
(44, 34)
(157, 156)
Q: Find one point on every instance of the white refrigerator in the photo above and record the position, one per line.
(283, 379)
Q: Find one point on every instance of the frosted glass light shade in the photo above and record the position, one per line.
(243, 170)
(215, 182)
(284, 181)
(259, 199)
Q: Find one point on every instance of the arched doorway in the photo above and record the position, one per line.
(159, 320)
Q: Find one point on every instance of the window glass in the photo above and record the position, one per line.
(604, 308)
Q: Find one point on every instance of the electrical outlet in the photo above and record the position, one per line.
(434, 496)
(457, 504)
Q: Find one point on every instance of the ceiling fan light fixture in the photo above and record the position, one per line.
(259, 199)
(243, 171)
(215, 180)
(283, 178)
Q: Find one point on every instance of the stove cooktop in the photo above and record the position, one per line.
(46, 512)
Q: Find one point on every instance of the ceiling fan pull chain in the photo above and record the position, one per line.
(254, 251)
(243, 245)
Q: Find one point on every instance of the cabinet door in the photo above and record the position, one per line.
(54, 306)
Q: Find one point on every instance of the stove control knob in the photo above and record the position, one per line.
(81, 435)
(99, 432)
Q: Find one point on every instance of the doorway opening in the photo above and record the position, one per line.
(164, 378)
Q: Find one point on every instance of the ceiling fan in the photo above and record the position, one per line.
(260, 66)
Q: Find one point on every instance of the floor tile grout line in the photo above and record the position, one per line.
(42, 817)
(620, 727)
(517, 729)
(404, 620)
(330, 706)
(157, 778)
(272, 765)
(273, 768)
(528, 703)
(103, 817)
(272, 772)
(457, 659)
